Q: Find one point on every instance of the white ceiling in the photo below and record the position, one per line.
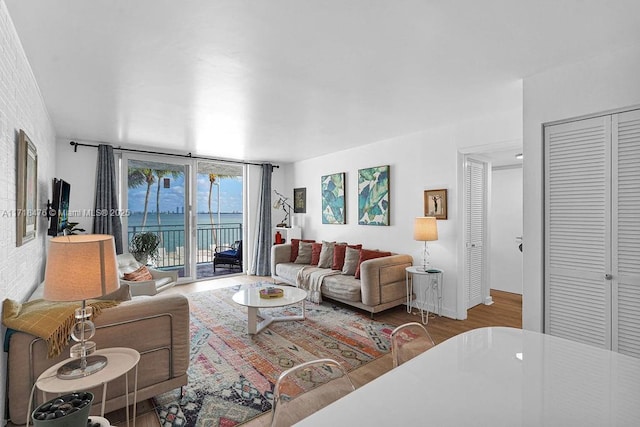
(284, 80)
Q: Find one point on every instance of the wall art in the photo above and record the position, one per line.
(373, 196)
(299, 200)
(435, 203)
(333, 199)
(26, 190)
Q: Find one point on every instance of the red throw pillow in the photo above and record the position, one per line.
(316, 248)
(295, 244)
(139, 275)
(339, 251)
(366, 254)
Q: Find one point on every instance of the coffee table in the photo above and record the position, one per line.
(250, 298)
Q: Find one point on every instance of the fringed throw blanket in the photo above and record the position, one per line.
(310, 279)
(49, 320)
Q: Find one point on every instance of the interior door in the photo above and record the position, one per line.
(625, 274)
(475, 270)
(577, 231)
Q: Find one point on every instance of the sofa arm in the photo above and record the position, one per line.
(380, 273)
(159, 274)
(279, 254)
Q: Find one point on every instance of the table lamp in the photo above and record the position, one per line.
(80, 267)
(425, 229)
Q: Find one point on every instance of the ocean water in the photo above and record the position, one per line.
(172, 228)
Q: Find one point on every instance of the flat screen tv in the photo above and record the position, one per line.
(59, 208)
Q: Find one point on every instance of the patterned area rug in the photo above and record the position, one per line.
(232, 374)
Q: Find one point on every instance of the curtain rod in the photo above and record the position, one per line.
(188, 156)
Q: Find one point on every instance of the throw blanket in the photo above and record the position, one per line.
(49, 320)
(310, 279)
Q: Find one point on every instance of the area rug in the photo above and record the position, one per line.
(232, 373)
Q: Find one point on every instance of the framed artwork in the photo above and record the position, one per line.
(435, 203)
(373, 196)
(333, 201)
(299, 200)
(26, 190)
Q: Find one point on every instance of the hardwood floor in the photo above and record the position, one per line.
(505, 311)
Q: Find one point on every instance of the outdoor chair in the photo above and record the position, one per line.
(306, 388)
(408, 341)
(231, 256)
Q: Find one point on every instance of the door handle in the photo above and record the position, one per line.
(608, 277)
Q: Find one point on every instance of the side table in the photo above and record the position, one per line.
(120, 361)
(433, 286)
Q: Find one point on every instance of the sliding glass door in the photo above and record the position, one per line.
(193, 207)
(155, 194)
(219, 195)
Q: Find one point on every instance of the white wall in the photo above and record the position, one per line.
(418, 162)
(505, 224)
(598, 84)
(21, 107)
(79, 170)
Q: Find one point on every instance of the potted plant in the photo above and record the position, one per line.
(144, 247)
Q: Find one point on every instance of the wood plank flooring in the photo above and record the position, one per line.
(505, 311)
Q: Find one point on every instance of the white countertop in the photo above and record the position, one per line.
(498, 377)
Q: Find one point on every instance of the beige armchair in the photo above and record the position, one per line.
(162, 280)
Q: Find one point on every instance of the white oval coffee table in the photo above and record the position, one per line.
(250, 298)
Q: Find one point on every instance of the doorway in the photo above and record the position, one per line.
(491, 224)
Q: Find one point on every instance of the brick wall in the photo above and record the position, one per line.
(21, 107)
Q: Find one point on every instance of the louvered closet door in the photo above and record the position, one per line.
(577, 231)
(475, 230)
(626, 233)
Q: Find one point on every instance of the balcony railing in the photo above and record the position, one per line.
(171, 250)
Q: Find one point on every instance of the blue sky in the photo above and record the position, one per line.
(173, 197)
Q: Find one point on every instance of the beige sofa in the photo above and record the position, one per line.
(158, 327)
(381, 284)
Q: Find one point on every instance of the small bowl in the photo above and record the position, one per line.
(69, 410)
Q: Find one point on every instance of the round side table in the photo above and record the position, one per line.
(120, 361)
(432, 291)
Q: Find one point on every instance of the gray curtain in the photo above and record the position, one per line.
(107, 215)
(262, 254)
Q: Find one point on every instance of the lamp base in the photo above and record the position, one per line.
(75, 369)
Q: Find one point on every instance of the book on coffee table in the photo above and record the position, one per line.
(271, 292)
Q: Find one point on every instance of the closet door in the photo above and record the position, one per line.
(577, 231)
(626, 233)
(475, 232)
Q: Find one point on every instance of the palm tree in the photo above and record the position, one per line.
(138, 177)
(212, 180)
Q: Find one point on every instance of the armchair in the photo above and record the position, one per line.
(231, 257)
(161, 281)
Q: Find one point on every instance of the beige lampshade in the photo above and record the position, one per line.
(80, 267)
(425, 229)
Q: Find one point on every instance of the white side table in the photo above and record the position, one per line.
(432, 290)
(120, 361)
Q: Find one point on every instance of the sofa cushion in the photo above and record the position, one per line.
(295, 246)
(339, 253)
(366, 254)
(316, 248)
(351, 258)
(326, 255)
(304, 253)
(340, 287)
(288, 271)
(139, 275)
